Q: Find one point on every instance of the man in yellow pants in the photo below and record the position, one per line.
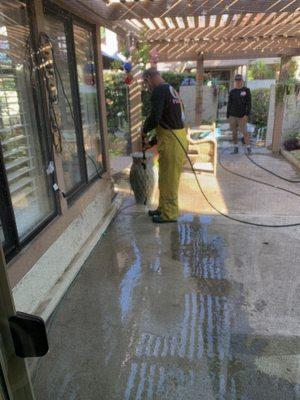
(167, 117)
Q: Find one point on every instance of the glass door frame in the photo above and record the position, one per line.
(8, 222)
(15, 382)
(68, 19)
(65, 18)
(12, 243)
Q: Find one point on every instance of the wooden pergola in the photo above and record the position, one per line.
(198, 30)
(218, 29)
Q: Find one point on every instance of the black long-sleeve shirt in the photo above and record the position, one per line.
(166, 109)
(239, 103)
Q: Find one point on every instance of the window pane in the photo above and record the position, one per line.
(88, 98)
(32, 197)
(71, 167)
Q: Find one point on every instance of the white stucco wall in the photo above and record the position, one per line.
(291, 119)
(261, 83)
(210, 103)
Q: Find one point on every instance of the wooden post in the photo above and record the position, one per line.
(135, 109)
(279, 104)
(199, 89)
(244, 73)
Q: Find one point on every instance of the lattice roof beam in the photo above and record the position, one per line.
(218, 21)
(291, 39)
(183, 54)
(97, 13)
(256, 27)
(163, 20)
(229, 20)
(240, 19)
(174, 8)
(174, 20)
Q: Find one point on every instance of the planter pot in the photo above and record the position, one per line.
(142, 177)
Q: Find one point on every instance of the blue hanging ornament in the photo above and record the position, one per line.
(127, 66)
(89, 68)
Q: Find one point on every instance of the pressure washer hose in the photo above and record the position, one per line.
(144, 152)
(219, 211)
(255, 180)
(271, 172)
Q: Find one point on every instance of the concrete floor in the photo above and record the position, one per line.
(202, 309)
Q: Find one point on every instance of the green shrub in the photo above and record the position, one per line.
(175, 79)
(261, 70)
(292, 141)
(116, 93)
(260, 106)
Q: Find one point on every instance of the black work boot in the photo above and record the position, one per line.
(235, 150)
(152, 213)
(157, 219)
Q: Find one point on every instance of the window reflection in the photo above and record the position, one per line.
(31, 195)
(88, 98)
(71, 167)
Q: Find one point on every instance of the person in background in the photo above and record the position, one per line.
(167, 117)
(238, 111)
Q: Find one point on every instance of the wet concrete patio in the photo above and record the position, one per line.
(202, 309)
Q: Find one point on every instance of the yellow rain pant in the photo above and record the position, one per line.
(171, 159)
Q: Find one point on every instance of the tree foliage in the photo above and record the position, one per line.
(260, 106)
(116, 97)
(261, 70)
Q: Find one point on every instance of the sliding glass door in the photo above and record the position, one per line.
(26, 188)
(73, 44)
(89, 105)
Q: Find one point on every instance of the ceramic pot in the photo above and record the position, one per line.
(141, 177)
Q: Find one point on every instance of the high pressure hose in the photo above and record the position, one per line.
(219, 211)
(144, 152)
(253, 179)
(271, 172)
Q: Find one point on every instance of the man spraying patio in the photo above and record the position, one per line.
(238, 111)
(167, 118)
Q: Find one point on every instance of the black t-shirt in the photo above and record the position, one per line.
(166, 109)
(239, 103)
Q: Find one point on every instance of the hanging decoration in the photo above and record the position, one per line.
(128, 79)
(127, 66)
(138, 53)
(89, 74)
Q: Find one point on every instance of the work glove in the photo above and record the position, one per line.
(153, 141)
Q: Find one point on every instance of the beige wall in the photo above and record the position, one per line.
(210, 103)
(291, 119)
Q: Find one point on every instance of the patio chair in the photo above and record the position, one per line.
(203, 149)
